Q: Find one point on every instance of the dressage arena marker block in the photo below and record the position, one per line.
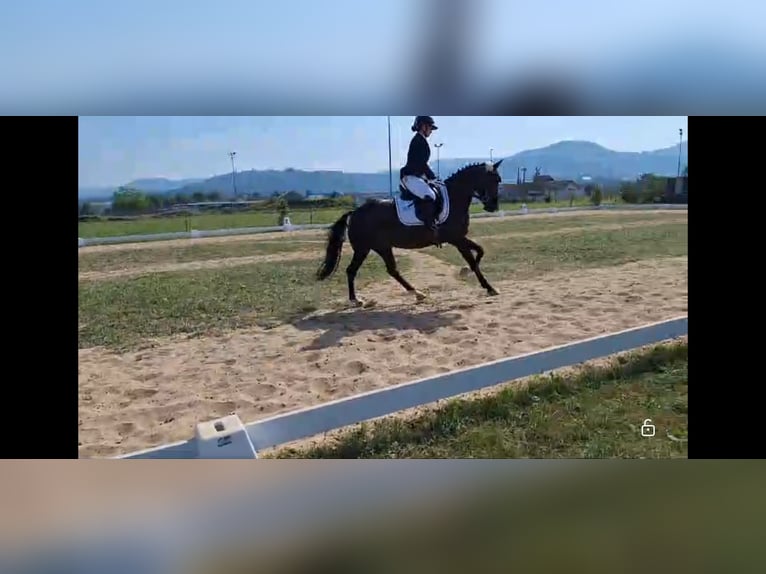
(287, 224)
(224, 438)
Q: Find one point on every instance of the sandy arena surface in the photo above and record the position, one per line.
(153, 396)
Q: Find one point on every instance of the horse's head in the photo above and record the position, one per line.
(488, 191)
(483, 182)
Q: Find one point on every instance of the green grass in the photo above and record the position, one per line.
(579, 202)
(596, 413)
(521, 257)
(564, 220)
(208, 221)
(158, 254)
(120, 313)
(123, 258)
(255, 218)
(539, 205)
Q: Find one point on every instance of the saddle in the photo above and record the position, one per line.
(407, 196)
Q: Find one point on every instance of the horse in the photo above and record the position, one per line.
(377, 226)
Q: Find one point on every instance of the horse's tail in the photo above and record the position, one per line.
(335, 238)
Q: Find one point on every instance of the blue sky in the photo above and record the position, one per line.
(115, 150)
(84, 53)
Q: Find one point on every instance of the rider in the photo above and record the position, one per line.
(416, 174)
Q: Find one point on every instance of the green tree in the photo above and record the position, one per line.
(345, 201)
(130, 201)
(156, 201)
(629, 192)
(283, 209)
(653, 188)
(293, 197)
(596, 196)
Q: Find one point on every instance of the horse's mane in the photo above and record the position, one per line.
(463, 170)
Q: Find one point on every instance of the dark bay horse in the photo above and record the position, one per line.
(375, 226)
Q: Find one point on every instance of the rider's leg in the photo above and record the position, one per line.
(421, 189)
(418, 187)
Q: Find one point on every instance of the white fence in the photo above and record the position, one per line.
(193, 234)
(228, 438)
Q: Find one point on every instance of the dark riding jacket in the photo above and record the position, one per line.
(417, 159)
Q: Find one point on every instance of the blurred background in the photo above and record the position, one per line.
(338, 57)
(699, 517)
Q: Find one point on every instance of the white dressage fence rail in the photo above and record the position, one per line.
(229, 438)
(194, 234)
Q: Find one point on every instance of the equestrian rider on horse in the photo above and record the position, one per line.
(417, 176)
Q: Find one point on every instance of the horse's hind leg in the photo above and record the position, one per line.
(387, 255)
(478, 249)
(360, 254)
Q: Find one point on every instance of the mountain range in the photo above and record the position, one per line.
(562, 160)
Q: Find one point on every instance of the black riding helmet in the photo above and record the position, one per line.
(420, 120)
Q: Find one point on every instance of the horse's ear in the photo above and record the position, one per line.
(498, 164)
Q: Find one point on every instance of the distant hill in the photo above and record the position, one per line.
(267, 182)
(95, 193)
(149, 185)
(562, 160)
(574, 159)
(161, 184)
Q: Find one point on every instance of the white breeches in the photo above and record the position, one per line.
(419, 187)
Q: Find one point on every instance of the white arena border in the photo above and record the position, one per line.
(194, 234)
(229, 438)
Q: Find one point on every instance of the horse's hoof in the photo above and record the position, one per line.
(420, 296)
(492, 292)
(356, 303)
(464, 272)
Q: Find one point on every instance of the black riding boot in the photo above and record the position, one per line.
(429, 218)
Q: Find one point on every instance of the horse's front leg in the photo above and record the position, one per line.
(464, 246)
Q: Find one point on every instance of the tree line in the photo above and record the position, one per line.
(128, 201)
(649, 188)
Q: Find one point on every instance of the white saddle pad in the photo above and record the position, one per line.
(406, 211)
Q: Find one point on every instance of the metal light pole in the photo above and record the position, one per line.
(390, 168)
(680, 142)
(233, 173)
(438, 159)
(490, 153)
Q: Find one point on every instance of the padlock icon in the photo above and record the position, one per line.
(647, 429)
